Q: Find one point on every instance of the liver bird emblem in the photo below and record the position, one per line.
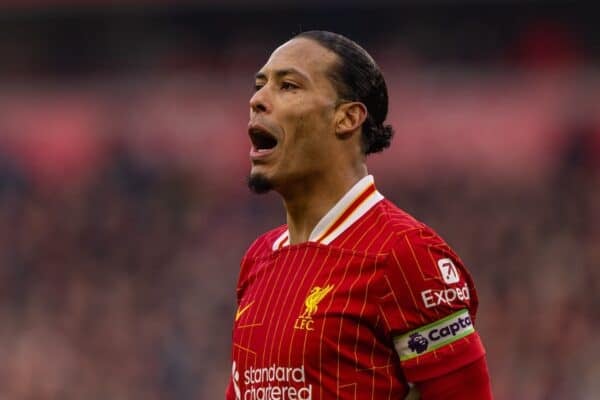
(313, 299)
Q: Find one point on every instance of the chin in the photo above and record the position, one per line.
(259, 183)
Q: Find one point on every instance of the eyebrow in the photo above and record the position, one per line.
(280, 73)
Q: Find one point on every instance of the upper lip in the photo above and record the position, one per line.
(261, 137)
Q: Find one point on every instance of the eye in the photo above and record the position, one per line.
(258, 86)
(288, 86)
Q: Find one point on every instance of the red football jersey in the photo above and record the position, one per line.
(374, 300)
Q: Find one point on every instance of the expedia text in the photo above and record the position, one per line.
(433, 298)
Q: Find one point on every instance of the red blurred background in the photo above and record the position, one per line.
(124, 211)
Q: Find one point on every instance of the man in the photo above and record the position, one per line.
(352, 298)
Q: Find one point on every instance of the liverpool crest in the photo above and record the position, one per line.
(311, 304)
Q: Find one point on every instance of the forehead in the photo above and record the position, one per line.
(304, 55)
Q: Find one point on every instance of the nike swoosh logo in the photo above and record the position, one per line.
(242, 310)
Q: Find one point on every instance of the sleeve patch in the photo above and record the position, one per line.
(448, 270)
(435, 335)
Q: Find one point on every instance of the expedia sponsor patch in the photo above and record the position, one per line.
(433, 298)
(434, 335)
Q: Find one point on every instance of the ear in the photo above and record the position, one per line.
(349, 117)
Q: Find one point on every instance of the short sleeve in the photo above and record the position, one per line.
(429, 304)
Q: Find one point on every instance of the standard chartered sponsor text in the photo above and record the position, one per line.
(276, 383)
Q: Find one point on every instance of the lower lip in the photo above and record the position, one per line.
(260, 154)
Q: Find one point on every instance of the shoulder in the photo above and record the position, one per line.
(379, 229)
(422, 251)
(407, 233)
(397, 221)
(263, 245)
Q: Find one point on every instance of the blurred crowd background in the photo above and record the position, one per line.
(124, 153)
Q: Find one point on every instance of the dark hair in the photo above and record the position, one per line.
(358, 78)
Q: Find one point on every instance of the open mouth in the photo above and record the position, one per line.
(261, 139)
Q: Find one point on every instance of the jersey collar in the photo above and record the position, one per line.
(353, 205)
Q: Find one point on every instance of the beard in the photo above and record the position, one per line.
(259, 184)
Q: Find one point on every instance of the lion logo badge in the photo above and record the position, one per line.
(311, 303)
(418, 343)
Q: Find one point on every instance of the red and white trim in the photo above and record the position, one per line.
(355, 203)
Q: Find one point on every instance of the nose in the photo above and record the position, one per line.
(259, 102)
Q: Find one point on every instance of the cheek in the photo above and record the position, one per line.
(310, 142)
(308, 121)
(307, 125)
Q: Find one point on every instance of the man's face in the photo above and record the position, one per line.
(292, 123)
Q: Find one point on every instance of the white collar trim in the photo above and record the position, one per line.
(353, 205)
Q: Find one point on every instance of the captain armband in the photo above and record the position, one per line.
(430, 337)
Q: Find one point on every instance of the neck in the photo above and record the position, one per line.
(309, 201)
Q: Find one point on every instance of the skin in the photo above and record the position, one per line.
(318, 157)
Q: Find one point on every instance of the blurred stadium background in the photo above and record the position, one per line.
(124, 211)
